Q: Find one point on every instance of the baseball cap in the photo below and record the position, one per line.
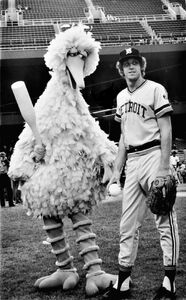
(130, 53)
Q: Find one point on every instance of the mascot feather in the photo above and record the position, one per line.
(61, 171)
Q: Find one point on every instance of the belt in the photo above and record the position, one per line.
(143, 147)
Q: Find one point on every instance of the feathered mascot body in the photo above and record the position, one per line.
(62, 177)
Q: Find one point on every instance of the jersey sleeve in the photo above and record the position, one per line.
(162, 104)
(118, 111)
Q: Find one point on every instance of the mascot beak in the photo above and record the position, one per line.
(75, 66)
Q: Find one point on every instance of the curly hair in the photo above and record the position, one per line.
(143, 64)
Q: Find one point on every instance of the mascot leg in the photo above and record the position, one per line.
(96, 278)
(66, 276)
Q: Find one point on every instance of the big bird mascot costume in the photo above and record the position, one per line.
(59, 157)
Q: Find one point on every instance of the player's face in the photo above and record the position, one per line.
(132, 69)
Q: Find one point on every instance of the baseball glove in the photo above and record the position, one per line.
(162, 195)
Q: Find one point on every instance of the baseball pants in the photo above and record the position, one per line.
(141, 170)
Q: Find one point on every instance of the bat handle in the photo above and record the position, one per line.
(36, 135)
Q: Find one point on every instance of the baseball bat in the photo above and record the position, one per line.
(26, 107)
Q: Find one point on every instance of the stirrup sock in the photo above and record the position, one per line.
(122, 277)
(170, 273)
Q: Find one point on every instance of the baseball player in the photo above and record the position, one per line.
(144, 112)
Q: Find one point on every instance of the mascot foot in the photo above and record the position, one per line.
(65, 279)
(96, 283)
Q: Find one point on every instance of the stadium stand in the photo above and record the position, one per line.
(50, 9)
(143, 23)
(180, 147)
(168, 28)
(180, 143)
(26, 36)
(126, 32)
(127, 22)
(128, 7)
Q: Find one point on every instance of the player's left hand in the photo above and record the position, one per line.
(162, 195)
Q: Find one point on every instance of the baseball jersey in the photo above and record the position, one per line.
(174, 160)
(139, 110)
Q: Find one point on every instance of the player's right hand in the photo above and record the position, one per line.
(114, 179)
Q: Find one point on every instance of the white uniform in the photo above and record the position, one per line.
(138, 112)
(174, 161)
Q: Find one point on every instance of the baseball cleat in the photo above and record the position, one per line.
(114, 294)
(164, 294)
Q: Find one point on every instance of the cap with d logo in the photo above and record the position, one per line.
(130, 53)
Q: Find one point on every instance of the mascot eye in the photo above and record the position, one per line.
(72, 54)
(83, 54)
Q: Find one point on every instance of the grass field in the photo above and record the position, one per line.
(24, 258)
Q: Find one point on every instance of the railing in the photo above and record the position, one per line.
(153, 17)
(98, 113)
(25, 43)
(104, 44)
(120, 37)
(173, 34)
(42, 43)
(23, 47)
(49, 21)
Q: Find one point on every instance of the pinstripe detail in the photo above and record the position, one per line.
(173, 235)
